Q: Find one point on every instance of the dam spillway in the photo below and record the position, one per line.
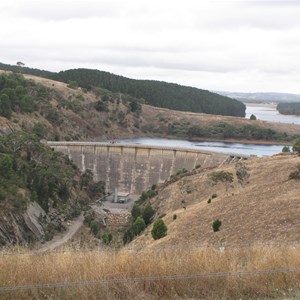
(134, 168)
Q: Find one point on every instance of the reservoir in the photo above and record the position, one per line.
(223, 147)
(268, 112)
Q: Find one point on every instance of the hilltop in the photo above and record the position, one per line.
(61, 112)
(262, 209)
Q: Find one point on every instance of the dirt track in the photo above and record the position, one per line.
(62, 238)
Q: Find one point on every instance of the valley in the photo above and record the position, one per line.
(62, 160)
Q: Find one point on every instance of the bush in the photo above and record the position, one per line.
(252, 117)
(159, 229)
(135, 212)
(213, 196)
(174, 217)
(148, 213)
(95, 227)
(106, 238)
(286, 149)
(296, 147)
(216, 225)
(295, 174)
(138, 226)
(209, 201)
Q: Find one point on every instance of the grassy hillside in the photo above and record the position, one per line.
(182, 273)
(56, 111)
(263, 208)
(155, 93)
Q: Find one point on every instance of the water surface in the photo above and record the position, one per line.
(268, 112)
(223, 147)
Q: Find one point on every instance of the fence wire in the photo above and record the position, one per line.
(145, 279)
(183, 246)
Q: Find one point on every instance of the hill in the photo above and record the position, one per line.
(259, 232)
(56, 111)
(156, 93)
(263, 208)
(40, 190)
(289, 108)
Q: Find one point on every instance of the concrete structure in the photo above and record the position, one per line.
(134, 168)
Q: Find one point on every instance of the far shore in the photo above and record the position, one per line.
(252, 104)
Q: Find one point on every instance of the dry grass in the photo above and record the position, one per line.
(265, 210)
(50, 268)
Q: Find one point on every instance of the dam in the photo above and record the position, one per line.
(134, 168)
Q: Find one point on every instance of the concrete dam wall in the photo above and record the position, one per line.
(134, 168)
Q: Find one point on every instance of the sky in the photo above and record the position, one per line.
(218, 45)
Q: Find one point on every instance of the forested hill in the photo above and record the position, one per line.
(157, 93)
(289, 108)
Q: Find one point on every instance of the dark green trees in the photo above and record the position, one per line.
(216, 225)
(159, 230)
(296, 146)
(156, 93)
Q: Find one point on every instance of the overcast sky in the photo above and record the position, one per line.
(247, 46)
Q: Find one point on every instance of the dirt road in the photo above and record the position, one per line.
(63, 237)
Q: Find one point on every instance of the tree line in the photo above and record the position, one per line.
(289, 108)
(156, 93)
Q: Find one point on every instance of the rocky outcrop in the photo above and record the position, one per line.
(13, 229)
(32, 217)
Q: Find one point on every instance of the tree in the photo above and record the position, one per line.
(135, 212)
(148, 213)
(86, 178)
(216, 225)
(286, 149)
(296, 147)
(138, 226)
(159, 230)
(39, 130)
(95, 227)
(252, 117)
(5, 106)
(6, 164)
(20, 65)
(221, 176)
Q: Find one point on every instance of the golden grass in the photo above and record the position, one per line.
(19, 269)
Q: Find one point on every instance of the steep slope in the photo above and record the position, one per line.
(263, 209)
(39, 190)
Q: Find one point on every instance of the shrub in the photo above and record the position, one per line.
(295, 174)
(213, 196)
(148, 213)
(174, 217)
(296, 147)
(138, 226)
(95, 227)
(106, 238)
(135, 212)
(286, 149)
(209, 201)
(216, 225)
(159, 229)
(252, 117)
